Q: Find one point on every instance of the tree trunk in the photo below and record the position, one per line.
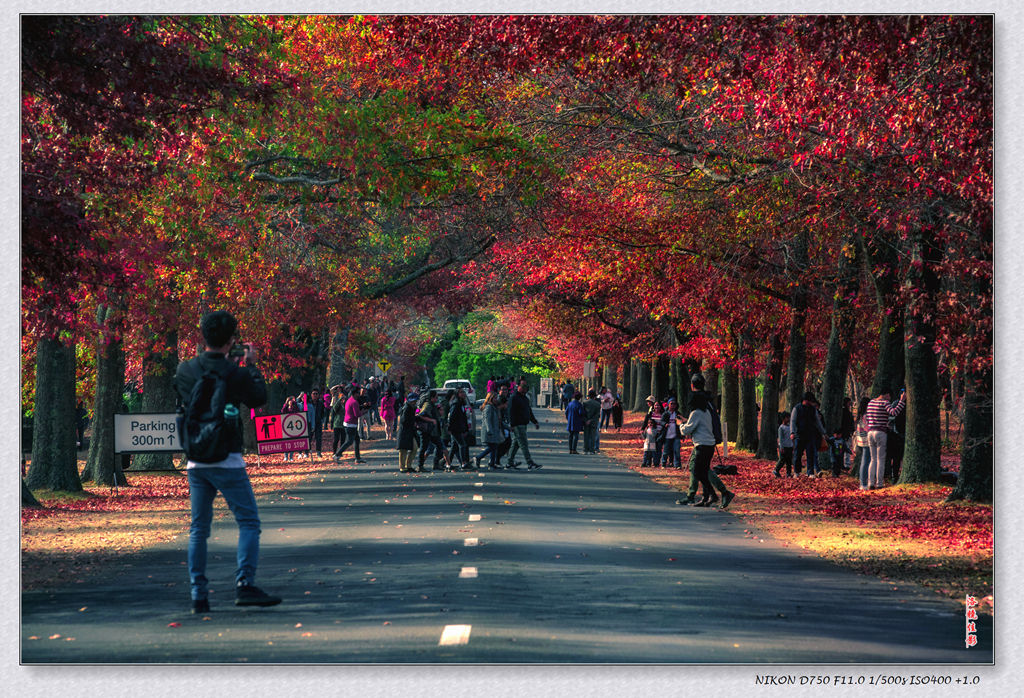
(339, 372)
(712, 378)
(891, 366)
(103, 466)
(627, 385)
(690, 367)
(158, 395)
(768, 443)
(54, 457)
(611, 377)
(746, 433)
(27, 498)
(840, 342)
(277, 391)
(974, 482)
(882, 260)
(731, 401)
(797, 364)
(659, 378)
(923, 452)
(643, 385)
(641, 382)
(678, 379)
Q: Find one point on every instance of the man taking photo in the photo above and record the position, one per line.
(210, 389)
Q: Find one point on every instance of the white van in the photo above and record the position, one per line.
(457, 383)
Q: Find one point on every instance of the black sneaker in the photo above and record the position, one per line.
(685, 502)
(248, 595)
(533, 466)
(514, 465)
(200, 605)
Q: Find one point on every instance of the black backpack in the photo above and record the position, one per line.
(201, 422)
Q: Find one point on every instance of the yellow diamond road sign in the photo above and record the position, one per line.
(384, 365)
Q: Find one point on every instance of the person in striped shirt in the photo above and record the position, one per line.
(877, 417)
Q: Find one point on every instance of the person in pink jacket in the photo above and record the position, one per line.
(351, 425)
(388, 414)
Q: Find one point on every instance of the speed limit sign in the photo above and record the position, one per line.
(294, 425)
(281, 433)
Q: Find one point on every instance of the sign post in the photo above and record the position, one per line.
(281, 433)
(146, 433)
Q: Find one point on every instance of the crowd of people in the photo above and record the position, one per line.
(872, 441)
(663, 429)
(427, 423)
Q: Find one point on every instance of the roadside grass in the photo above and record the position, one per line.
(903, 534)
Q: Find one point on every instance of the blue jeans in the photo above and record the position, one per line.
(233, 483)
(670, 454)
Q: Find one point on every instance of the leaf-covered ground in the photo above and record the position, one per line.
(902, 534)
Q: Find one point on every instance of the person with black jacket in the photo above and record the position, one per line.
(520, 413)
(458, 429)
(244, 384)
(431, 432)
(807, 431)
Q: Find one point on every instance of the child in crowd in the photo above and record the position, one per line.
(785, 447)
(837, 449)
(650, 445)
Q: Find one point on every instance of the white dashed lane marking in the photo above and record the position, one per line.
(474, 517)
(478, 498)
(467, 573)
(470, 542)
(455, 635)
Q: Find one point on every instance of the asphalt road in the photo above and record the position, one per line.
(580, 562)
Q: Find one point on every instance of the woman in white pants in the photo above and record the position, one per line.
(879, 411)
